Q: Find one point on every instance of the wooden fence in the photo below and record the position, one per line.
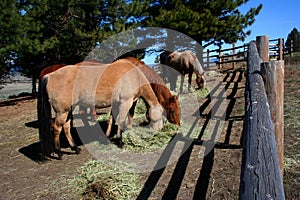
(238, 54)
(262, 163)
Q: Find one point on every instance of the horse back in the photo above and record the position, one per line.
(60, 85)
(50, 69)
(123, 80)
(121, 71)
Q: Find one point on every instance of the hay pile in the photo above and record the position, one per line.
(96, 180)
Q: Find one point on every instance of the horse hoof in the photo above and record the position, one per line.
(59, 156)
(76, 149)
(120, 144)
(129, 127)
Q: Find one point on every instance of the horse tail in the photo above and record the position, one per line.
(44, 118)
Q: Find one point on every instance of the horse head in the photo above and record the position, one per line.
(155, 114)
(173, 110)
(201, 81)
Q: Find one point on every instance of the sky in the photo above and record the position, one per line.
(276, 19)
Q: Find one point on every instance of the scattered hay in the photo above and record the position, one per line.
(103, 117)
(97, 180)
(202, 93)
(142, 139)
(290, 163)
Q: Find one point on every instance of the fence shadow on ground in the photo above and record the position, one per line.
(202, 184)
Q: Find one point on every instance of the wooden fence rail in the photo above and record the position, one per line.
(261, 177)
(237, 54)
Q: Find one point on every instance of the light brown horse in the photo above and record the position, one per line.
(55, 67)
(185, 63)
(168, 101)
(117, 85)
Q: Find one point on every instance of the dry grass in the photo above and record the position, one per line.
(96, 180)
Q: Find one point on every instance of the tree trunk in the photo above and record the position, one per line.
(33, 90)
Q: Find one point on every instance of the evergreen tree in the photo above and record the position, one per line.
(66, 31)
(9, 33)
(293, 41)
(205, 21)
(54, 32)
(39, 33)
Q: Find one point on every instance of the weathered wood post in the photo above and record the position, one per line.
(207, 58)
(262, 43)
(260, 172)
(280, 49)
(234, 55)
(273, 75)
(220, 56)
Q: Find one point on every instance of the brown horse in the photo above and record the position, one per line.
(55, 67)
(118, 85)
(168, 101)
(185, 63)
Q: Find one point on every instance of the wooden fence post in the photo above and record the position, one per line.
(234, 55)
(273, 75)
(280, 49)
(262, 43)
(220, 56)
(260, 174)
(207, 58)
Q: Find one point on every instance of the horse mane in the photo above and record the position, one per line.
(50, 69)
(197, 65)
(162, 93)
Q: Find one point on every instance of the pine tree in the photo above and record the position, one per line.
(66, 31)
(41, 32)
(293, 41)
(207, 21)
(9, 33)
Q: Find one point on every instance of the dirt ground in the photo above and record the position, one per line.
(215, 176)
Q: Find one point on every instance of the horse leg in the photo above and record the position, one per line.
(94, 114)
(190, 81)
(109, 125)
(131, 114)
(181, 83)
(67, 130)
(124, 107)
(172, 76)
(60, 120)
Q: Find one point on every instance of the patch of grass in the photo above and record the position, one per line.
(142, 139)
(292, 161)
(292, 60)
(96, 180)
(104, 117)
(202, 93)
